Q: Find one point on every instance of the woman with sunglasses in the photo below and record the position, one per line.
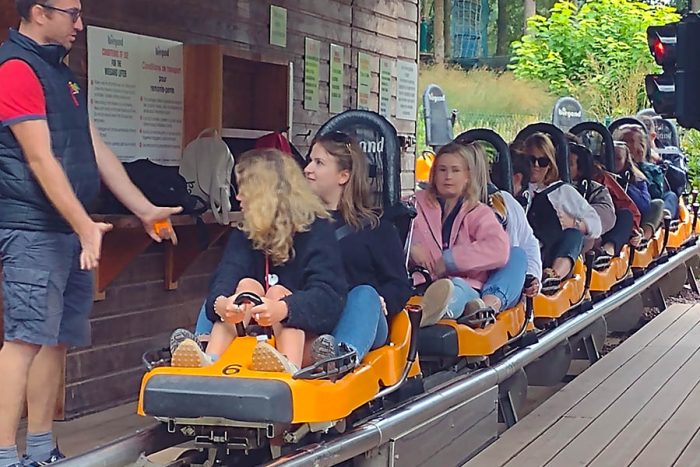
(458, 238)
(559, 215)
(372, 253)
(637, 188)
(284, 251)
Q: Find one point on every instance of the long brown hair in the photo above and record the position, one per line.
(475, 160)
(542, 143)
(355, 204)
(278, 202)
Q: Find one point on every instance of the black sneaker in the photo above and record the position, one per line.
(55, 456)
(179, 336)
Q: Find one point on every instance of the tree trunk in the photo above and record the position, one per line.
(502, 27)
(448, 31)
(695, 5)
(439, 31)
(530, 9)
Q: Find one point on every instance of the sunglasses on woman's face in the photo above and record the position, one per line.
(539, 161)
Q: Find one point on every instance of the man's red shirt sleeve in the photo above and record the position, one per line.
(21, 94)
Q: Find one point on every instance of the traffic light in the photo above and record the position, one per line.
(688, 73)
(676, 92)
(661, 88)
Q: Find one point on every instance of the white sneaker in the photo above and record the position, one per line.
(268, 358)
(435, 301)
(190, 355)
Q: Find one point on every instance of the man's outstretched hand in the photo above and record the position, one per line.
(159, 215)
(91, 244)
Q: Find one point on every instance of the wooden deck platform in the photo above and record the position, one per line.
(638, 406)
(86, 433)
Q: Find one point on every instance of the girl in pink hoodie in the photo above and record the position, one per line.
(456, 238)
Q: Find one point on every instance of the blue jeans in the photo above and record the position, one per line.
(362, 325)
(203, 326)
(671, 203)
(505, 283)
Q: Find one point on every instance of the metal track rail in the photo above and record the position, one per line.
(404, 418)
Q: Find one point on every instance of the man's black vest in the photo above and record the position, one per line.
(23, 204)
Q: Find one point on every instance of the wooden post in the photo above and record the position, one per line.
(439, 32)
(530, 9)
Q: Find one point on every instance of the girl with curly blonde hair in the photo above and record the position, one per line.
(284, 251)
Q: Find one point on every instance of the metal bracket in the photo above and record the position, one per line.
(506, 410)
(692, 281)
(591, 349)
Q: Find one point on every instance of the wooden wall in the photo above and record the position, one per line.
(138, 314)
(381, 28)
(8, 17)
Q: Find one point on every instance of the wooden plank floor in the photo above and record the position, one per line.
(637, 406)
(86, 433)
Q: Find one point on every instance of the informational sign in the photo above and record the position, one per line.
(407, 90)
(386, 69)
(278, 26)
(136, 94)
(337, 79)
(364, 81)
(567, 113)
(312, 63)
(438, 122)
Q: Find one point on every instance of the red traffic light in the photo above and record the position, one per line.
(659, 50)
(662, 43)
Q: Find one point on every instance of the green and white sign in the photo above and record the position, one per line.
(278, 26)
(364, 80)
(312, 63)
(386, 69)
(337, 79)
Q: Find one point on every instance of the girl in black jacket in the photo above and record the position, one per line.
(369, 245)
(285, 251)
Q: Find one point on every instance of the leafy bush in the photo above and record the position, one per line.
(597, 53)
(690, 141)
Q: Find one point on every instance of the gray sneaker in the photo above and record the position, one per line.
(323, 348)
(179, 336)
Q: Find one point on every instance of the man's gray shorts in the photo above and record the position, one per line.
(47, 298)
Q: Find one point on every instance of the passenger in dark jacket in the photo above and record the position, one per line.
(652, 210)
(370, 247)
(284, 251)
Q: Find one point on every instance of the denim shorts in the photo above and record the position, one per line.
(47, 298)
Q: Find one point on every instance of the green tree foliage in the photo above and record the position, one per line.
(596, 52)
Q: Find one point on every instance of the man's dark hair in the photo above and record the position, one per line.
(521, 165)
(25, 6)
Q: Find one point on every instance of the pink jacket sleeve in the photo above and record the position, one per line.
(488, 246)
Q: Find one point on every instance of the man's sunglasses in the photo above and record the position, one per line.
(74, 13)
(539, 161)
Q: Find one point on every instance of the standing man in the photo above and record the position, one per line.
(51, 162)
